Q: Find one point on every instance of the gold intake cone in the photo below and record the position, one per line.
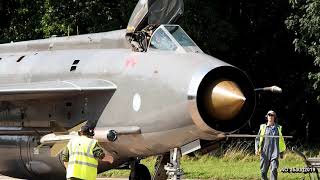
(226, 100)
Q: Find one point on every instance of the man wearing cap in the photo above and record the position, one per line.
(81, 155)
(269, 148)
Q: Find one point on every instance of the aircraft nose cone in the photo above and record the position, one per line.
(226, 99)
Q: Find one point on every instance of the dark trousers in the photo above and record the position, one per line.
(265, 163)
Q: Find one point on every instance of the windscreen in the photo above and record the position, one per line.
(161, 41)
(179, 35)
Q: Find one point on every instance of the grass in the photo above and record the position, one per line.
(233, 163)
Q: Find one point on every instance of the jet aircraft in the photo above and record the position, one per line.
(148, 90)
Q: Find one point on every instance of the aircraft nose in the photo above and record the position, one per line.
(225, 100)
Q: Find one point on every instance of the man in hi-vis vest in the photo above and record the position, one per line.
(269, 148)
(81, 156)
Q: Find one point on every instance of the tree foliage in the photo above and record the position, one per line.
(20, 20)
(26, 19)
(305, 23)
(249, 34)
(84, 16)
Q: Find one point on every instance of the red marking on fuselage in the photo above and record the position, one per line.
(130, 62)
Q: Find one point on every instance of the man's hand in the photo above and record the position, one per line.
(258, 152)
(65, 164)
(281, 155)
(102, 155)
(108, 158)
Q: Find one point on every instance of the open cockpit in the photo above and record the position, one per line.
(172, 38)
(150, 28)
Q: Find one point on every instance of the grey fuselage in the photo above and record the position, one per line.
(156, 91)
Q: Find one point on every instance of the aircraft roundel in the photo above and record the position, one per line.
(136, 102)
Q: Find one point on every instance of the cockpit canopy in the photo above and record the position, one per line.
(172, 38)
(154, 12)
(145, 30)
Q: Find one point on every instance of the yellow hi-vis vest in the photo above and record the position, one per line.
(282, 145)
(82, 163)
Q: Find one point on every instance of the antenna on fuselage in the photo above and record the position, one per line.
(77, 30)
(52, 39)
(68, 30)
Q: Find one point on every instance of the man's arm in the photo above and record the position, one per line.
(65, 157)
(256, 145)
(98, 152)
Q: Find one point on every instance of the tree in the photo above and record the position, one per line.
(304, 21)
(249, 34)
(84, 16)
(26, 19)
(21, 20)
(6, 8)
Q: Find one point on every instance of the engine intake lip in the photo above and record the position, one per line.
(197, 106)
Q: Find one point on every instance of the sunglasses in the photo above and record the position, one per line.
(270, 114)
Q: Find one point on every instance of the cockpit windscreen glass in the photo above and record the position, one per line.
(180, 36)
(161, 41)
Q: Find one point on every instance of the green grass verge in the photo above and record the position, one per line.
(232, 165)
